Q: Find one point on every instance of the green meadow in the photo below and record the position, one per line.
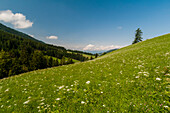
(132, 79)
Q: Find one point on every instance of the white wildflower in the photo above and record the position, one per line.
(137, 77)
(42, 103)
(7, 90)
(61, 87)
(29, 97)
(158, 79)
(68, 89)
(165, 106)
(26, 102)
(82, 102)
(88, 82)
(167, 53)
(104, 105)
(57, 98)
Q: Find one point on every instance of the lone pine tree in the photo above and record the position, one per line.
(138, 36)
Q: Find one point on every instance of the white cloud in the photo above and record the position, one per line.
(119, 27)
(91, 47)
(18, 20)
(52, 37)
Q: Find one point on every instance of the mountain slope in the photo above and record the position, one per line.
(131, 79)
(15, 32)
(19, 55)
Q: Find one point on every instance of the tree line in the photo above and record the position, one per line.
(19, 55)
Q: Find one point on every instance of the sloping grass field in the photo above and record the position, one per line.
(132, 79)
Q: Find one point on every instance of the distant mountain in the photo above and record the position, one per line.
(15, 32)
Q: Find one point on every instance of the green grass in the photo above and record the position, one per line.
(132, 79)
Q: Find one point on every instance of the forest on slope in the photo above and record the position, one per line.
(19, 54)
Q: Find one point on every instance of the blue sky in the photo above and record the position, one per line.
(89, 25)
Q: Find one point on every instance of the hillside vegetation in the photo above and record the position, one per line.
(131, 79)
(15, 32)
(20, 54)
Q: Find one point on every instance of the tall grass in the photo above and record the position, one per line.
(131, 79)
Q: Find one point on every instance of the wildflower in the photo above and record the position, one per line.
(68, 89)
(26, 102)
(88, 82)
(42, 103)
(158, 79)
(7, 90)
(146, 75)
(57, 98)
(101, 91)
(82, 102)
(61, 87)
(42, 99)
(104, 105)
(137, 77)
(29, 97)
(165, 106)
(167, 53)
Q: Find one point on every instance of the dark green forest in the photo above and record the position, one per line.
(19, 55)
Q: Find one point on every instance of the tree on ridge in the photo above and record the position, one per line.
(138, 36)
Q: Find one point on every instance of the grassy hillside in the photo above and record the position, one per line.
(131, 79)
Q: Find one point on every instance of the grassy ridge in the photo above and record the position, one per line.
(131, 79)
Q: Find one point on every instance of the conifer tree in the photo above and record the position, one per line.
(96, 55)
(138, 36)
